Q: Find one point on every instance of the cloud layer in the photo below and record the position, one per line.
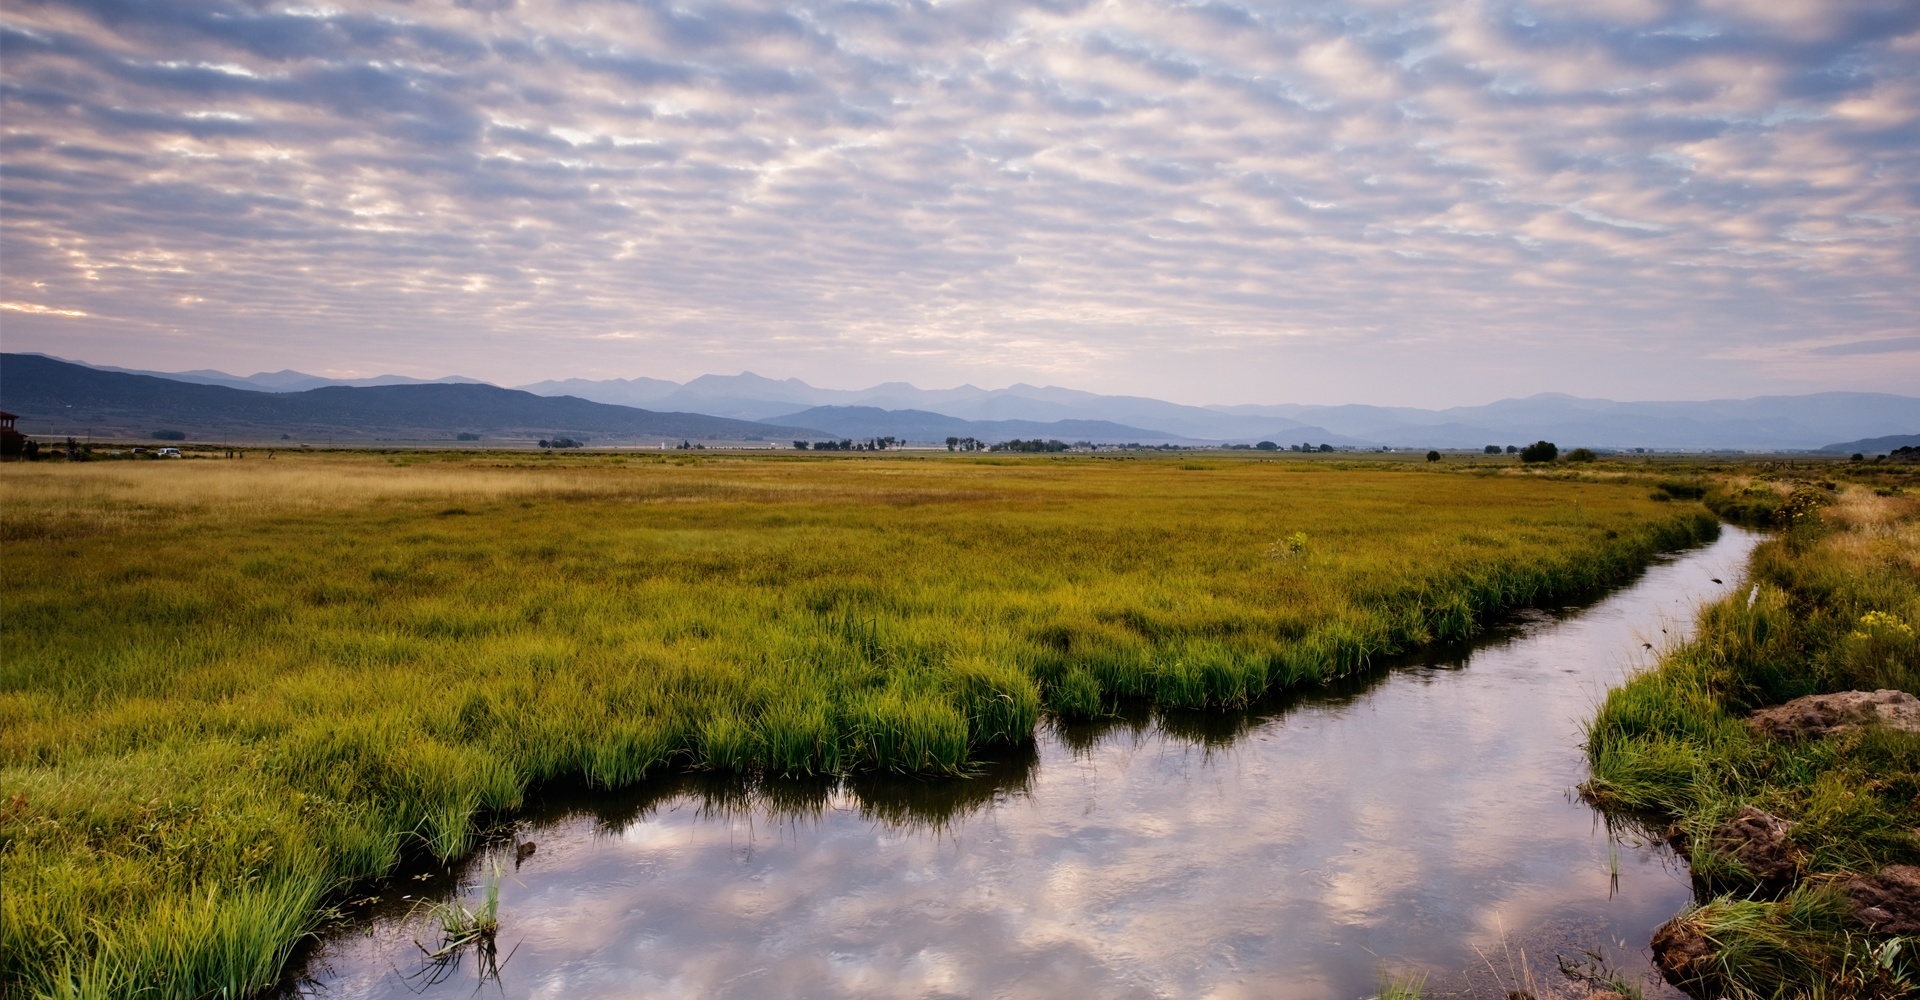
(1421, 202)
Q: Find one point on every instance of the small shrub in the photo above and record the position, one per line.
(1433, 456)
(1540, 451)
(1581, 455)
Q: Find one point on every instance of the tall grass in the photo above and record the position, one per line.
(1832, 603)
(231, 688)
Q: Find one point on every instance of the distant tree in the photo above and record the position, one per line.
(1511, 449)
(1267, 446)
(953, 443)
(1326, 447)
(1433, 456)
(1581, 455)
(1857, 457)
(1540, 451)
(1493, 449)
(1035, 445)
(544, 443)
(800, 446)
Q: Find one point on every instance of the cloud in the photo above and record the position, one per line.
(36, 309)
(1339, 198)
(1891, 345)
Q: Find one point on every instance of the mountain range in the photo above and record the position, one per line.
(777, 409)
(54, 398)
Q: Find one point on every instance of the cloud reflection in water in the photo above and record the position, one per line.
(1291, 851)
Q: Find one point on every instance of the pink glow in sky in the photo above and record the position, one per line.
(1429, 203)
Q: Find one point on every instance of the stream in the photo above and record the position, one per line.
(1419, 821)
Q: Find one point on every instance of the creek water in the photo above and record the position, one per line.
(1421, 820)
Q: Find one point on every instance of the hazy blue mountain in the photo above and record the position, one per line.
(285, 380)
(752, 397)
(1807, 422)
(54, 398)
(644, 392)
(1874, 446)
(747, 396)
(1764, 422)
(923, 425)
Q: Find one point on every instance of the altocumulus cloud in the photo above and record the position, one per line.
(1208, 200)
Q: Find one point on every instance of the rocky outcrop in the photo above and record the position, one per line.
(1817, 715)
(1887, 902)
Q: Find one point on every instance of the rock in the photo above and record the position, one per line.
(1888, 902)
(1681, 951)
(1758, 840)
(1819, 714)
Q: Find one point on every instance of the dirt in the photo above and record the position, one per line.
(1887, 902)
(1817, 715)
(1758, 840)
(1681, 951)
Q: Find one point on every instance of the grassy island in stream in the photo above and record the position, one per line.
(233, 689)
(1832, 603)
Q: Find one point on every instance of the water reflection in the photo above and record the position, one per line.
(1417, 819)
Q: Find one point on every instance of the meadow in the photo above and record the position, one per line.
(1832, 603)
(235, 690)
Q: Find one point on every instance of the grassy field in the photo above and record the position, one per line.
(232, 689)
(1832, 604)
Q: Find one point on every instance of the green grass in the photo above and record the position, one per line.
(233, 689)
(1831, 604)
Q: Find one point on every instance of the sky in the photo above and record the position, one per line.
(1418, 203)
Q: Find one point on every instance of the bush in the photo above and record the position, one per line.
(1267, 446)
(1493, 449)
(1433, 456)
(1540, 451)
(1580, 455)
(169, 435)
